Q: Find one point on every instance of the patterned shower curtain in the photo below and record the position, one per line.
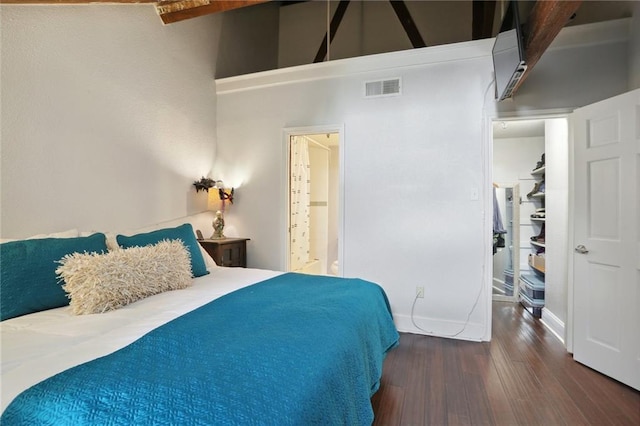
(300, 185)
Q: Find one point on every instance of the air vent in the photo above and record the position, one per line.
(379, 88)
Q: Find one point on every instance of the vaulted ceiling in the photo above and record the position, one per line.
(545, 18)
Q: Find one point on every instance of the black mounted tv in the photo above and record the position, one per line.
(509, 62)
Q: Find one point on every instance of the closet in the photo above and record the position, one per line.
(531, 288)
(532, 155)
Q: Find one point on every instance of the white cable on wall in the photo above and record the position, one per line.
(483, 269)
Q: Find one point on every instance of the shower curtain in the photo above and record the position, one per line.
(300, 186)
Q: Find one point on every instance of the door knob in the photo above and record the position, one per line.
(581, 249)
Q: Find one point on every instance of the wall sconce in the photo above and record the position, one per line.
(225, 194)
(204, 184)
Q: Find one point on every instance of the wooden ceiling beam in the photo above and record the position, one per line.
(178, 10)
(545, 21)
(76, 1)
(483, 12)
(169, 10)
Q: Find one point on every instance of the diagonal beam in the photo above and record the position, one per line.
(483, 15)
(545, 21)
(407, 23)
(333, 28)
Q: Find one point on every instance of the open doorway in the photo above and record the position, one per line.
(532, 153)
(518, 147)
(314, 203)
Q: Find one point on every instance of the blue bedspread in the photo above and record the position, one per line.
(292, 350)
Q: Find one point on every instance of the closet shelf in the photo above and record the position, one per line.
(537, 244)
(538, 195)
(538, 219)
(538, 171)
(541, 270)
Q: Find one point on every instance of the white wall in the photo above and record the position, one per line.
(411, 165)
(334, 205)
(107, 116)
(557, 223)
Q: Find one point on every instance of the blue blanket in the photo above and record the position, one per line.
(292, 350)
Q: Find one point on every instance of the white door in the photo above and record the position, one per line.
(606, 324)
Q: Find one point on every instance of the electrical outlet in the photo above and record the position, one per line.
(420, 292)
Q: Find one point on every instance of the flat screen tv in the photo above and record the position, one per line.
(508, 53)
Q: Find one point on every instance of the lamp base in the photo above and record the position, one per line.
(218, 226)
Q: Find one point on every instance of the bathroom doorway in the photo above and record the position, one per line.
(314, 203)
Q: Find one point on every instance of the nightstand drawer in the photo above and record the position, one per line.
(230, 252)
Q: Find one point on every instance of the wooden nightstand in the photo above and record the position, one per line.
(227, 251)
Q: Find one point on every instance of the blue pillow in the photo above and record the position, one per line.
(183, 233)
(28, 281)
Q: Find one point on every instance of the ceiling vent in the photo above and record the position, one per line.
(375, 89)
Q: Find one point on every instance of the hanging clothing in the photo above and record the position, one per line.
(498, 227)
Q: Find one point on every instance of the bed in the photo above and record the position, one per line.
(238, 346)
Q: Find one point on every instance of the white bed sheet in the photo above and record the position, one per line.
(36, 346)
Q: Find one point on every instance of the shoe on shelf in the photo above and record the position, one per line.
(536, 189)
(540, 237)
(539, 163)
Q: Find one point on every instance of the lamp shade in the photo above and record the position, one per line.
(213, 201)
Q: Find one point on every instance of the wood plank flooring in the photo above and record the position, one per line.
(522, 377)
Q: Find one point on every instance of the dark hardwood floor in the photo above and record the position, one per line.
(522, 377)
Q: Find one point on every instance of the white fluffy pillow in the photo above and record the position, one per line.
(97, 283)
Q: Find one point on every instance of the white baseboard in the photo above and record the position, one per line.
(553, 323)
(440, 328)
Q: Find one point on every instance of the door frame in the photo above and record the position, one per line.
(287, 133)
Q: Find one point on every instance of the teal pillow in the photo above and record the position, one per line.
(28, 281)
(183, 233)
